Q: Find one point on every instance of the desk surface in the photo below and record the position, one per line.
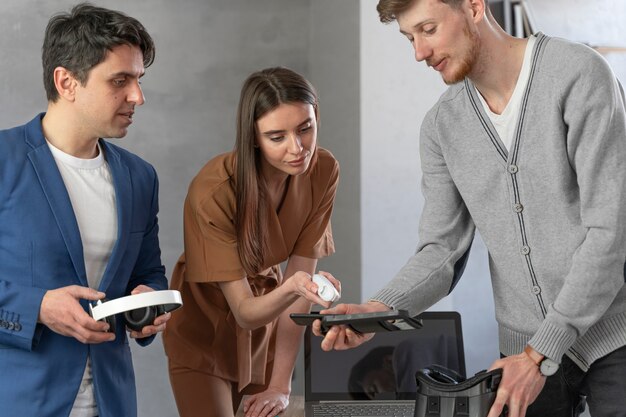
(295, 408)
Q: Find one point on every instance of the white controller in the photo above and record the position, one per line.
(325, 289)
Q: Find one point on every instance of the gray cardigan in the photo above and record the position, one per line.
(552, 211)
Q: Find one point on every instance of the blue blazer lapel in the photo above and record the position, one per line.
(59, 200)
(124, 202)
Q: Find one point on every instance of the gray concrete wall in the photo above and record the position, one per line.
(205, 49)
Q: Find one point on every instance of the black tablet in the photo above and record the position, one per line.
(362, 322)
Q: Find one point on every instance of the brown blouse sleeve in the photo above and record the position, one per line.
(210, 237)
(316, 239)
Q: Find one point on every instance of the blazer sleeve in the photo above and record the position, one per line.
(148, 269)
(19, 311)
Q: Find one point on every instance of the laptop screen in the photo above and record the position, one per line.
(384, 367)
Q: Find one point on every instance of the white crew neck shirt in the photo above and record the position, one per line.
(90, 187)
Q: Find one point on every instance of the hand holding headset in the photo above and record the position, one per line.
(139, 309)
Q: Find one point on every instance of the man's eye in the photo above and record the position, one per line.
(119, 83)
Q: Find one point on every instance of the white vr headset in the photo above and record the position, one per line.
(139, 310)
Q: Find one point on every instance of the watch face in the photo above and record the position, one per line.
(548, 367)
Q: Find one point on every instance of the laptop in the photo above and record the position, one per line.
(378, 378)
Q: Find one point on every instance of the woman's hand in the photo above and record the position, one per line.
(268, 403)
(303, 286)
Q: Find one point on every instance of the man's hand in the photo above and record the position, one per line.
(520, 385)
(342, 337)
(61, 311)
(159, 322)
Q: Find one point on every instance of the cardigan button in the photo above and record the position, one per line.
(525, 250)
(17, 327)
(518, 208)
(513, 169)
(536, 290)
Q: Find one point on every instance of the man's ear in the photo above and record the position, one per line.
(65, 83)
(477, 8)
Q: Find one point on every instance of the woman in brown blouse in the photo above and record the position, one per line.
(246, 212)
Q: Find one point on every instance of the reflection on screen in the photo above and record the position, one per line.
(384, 367)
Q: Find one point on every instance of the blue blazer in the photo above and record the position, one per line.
(40, 249)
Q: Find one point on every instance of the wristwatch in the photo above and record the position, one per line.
(547, 367)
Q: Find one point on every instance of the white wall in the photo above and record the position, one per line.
(596, 23)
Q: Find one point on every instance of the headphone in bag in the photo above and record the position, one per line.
(139, 310)
(441, 392)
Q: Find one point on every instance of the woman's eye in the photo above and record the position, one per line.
(276, 138)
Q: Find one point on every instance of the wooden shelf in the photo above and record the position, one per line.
(609, 49)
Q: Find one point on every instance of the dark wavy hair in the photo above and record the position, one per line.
(262, 92)
(80, 40)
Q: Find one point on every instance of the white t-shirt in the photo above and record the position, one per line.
(506, 122)
(90, 187)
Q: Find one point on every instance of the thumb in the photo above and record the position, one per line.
(86, 293)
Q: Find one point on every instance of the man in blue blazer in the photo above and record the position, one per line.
(78, 220)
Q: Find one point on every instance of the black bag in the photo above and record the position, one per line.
(441, 392)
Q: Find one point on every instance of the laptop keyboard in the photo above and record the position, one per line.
(364, 410)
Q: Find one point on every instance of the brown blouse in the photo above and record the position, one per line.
(204, 335)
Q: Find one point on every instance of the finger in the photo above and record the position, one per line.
(141, 289)
(336, 283)
(338, 309)
(162, 319)
(342, 340)
(150, 330)
(330, 339)
(316, 327)
(276, 410)
(497, 364)
(498, 404)
(248, 402)
(266, 409)
(311, 295)
(355, 339)
(256, 408)
(86, 293)
(87, 336)
(87, 322)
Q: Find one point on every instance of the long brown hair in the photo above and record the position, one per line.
(262, 92)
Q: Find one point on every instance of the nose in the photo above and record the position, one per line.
(295, 144)
(135, 95)
(422, 50)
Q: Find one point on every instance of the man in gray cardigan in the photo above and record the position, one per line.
(528, 145)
